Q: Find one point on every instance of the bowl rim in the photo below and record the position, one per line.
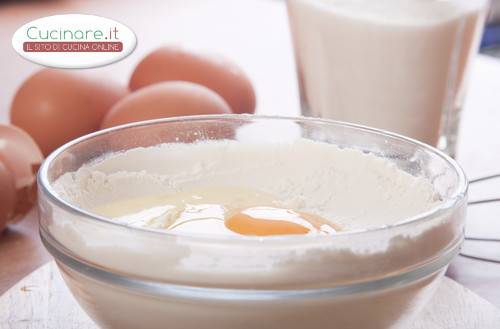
(458, 198)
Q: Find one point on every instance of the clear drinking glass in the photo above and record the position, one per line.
(398, 65)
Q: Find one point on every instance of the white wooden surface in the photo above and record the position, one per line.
(42, 301)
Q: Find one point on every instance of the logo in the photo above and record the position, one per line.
(74, 41)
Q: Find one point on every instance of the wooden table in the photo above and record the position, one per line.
(42, 300)
(254, 34)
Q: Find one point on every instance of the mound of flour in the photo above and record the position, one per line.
(355, 189)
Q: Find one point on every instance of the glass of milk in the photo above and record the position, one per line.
(398, 65)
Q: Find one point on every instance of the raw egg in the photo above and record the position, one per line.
(220, 75)
(56, 106)
(216, 210)
(166, 99)
(21, 159)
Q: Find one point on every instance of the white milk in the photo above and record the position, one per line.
(392, 64)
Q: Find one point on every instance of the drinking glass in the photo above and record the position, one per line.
(398, 65)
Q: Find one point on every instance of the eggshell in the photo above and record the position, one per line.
(21, 157)
(7, 196)
(166, 99)
(56, 106)
(216, 73)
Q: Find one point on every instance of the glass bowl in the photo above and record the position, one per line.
(126, 277)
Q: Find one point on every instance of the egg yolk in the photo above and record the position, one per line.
(265, 221)
(248, 225)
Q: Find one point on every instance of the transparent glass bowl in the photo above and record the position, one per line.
(128, 277)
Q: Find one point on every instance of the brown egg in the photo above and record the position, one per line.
(21, 157)
(166, 99)
(222, 76)
(56, 106)
(7, 196)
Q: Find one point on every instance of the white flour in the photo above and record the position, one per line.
(353, 189)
